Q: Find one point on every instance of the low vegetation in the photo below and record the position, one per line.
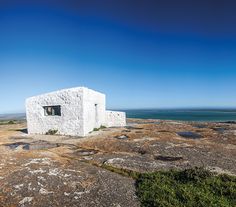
(195, 187)
(7, 122)
(123, 172)
(51, 132)
(101, 127)
(11, 122)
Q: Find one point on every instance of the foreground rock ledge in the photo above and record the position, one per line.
(67, 171)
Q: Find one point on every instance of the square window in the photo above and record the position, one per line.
(52, 110)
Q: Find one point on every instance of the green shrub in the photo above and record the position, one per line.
(101, 127)
(2, 123)
(7, 122)
(51, 132)
(195, 187)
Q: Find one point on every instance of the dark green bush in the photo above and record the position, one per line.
(195, 187)
(51, 132)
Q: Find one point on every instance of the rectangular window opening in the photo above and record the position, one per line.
(52, 110)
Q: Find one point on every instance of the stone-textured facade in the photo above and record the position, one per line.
(74, 111)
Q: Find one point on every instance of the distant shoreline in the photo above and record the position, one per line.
(200, 115)
(13, 116)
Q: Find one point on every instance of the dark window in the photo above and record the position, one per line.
(52, 110)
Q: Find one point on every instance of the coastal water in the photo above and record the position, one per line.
(210, 115)
(184, 114)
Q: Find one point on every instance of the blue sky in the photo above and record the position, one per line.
(142, 54)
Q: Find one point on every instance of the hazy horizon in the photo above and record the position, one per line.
(158, 109)
(193, 114)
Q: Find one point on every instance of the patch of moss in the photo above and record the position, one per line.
(195, 187)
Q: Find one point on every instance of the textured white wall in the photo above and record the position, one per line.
(71, 120)
(93, 118)
(115, 118)
(82, 110)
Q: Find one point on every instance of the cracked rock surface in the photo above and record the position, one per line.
(44, 170)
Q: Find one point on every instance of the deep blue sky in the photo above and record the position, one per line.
(142, 54)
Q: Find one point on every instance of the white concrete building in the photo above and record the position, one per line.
(74, 111)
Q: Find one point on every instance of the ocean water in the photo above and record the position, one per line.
(209, 115)
(184, 114)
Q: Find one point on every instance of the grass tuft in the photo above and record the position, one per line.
(121, 171)
(101, 127)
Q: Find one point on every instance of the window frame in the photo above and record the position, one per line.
(55, 108)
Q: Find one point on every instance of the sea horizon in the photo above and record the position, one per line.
(176, 114)
(185, 114)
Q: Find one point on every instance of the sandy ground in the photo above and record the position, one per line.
(43, 170)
